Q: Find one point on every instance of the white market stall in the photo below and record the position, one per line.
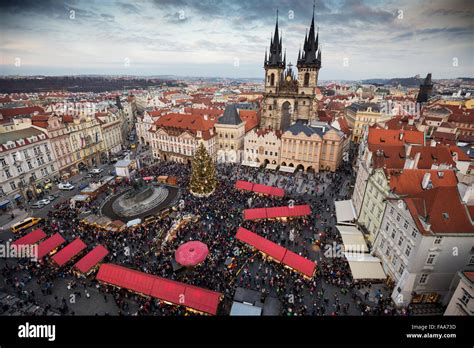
(287, 169)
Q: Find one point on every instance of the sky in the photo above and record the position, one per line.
(359, 39)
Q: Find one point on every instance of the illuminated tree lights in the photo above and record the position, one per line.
(203, 174)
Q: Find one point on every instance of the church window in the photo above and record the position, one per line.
(306, 79)
(272, 80)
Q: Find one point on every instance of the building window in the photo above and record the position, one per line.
(12, 185)
(414, 233)
(391, 211)
(399, 217)
(423, 278)
(408, 250)
(438, 240)
(431, 259)
(306, 80)
(394, 233)
(405, 225)
(400, 241)
(471, 261)
(465, 298)
(401, 269)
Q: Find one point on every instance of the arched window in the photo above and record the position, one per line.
(306, 79)
(272, 79)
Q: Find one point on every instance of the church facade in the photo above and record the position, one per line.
(291, 96)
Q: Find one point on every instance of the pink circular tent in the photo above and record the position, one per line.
(191, 253)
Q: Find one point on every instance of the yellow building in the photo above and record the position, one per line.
(359, 115)
(312, 147)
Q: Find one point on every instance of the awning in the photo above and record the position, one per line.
(4, 203)
(287, 169)
(345, 211)
(256, 213)
(271, 166)
(250, 164)
(243, 185)
(353, 239)
(277, 212)
(69, 251)
(91, 259)
(245, 309)
(80, 198)
(17, 196)
(365, 266)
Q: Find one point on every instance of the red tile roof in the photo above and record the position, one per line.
(444, 218)
(430, 155)
(408, 181)
(250, 117)
(461, 155)
(187, 122)
(388, 156)
(9, 113)
(395, 137)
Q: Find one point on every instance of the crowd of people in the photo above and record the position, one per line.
(230, 263)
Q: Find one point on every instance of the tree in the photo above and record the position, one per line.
(203, 173)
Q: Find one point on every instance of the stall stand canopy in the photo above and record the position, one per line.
(69, 251)
(353, 239)
(277, 252)
(178, 293)
(277, 212)
(49, 245)
(245, 309)
(91, 259)
(31, 238)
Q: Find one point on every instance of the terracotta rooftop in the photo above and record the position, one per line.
(395, 137)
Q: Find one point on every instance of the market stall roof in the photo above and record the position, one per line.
(148, 178)
(103, 221)
(133, 222)
(126, 278)
(178, 293)
(31, 238)
(92, 258)
(4, 203)
(277, 212)
(345, 211)
(69, 251)
(50, 244)
(250, 164)
(287, 169)
(255, 213)
(243, 185)
(273, 250)
(80, 198)
(271, 166)
(277, 252)
(245, 309)
(299, 263)
(365, 266)
(353, 239)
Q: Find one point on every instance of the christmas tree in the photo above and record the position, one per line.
(203, 174)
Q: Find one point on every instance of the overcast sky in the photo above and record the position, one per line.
(228, 38)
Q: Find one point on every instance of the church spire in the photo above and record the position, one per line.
(276, 49)
(310, 47)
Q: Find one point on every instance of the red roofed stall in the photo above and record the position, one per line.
(69, 251)
(92, 258)
(243, 185)
(277, 252)
(266, 246)
(256, 213)
(49, 245)
(277, 212)
(31, 238)
(299, 263)
(259, 188)
(192, 297)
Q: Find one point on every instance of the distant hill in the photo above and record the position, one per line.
(403, 81)
(78, 84)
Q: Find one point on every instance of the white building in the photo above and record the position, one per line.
(423, 242)
(462, 301)
(262, 146)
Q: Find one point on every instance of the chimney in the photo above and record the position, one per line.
(205, 117)
(433, 143)
(408, 149)
(416, 160)
(411, 121)
(426, 181)
(401, 135)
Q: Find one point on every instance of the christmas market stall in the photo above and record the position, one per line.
(90, 261)
(50, 245)
(31, 238)
(69, 252)
(195, 299)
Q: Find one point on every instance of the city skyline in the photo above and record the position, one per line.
(359, 39)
